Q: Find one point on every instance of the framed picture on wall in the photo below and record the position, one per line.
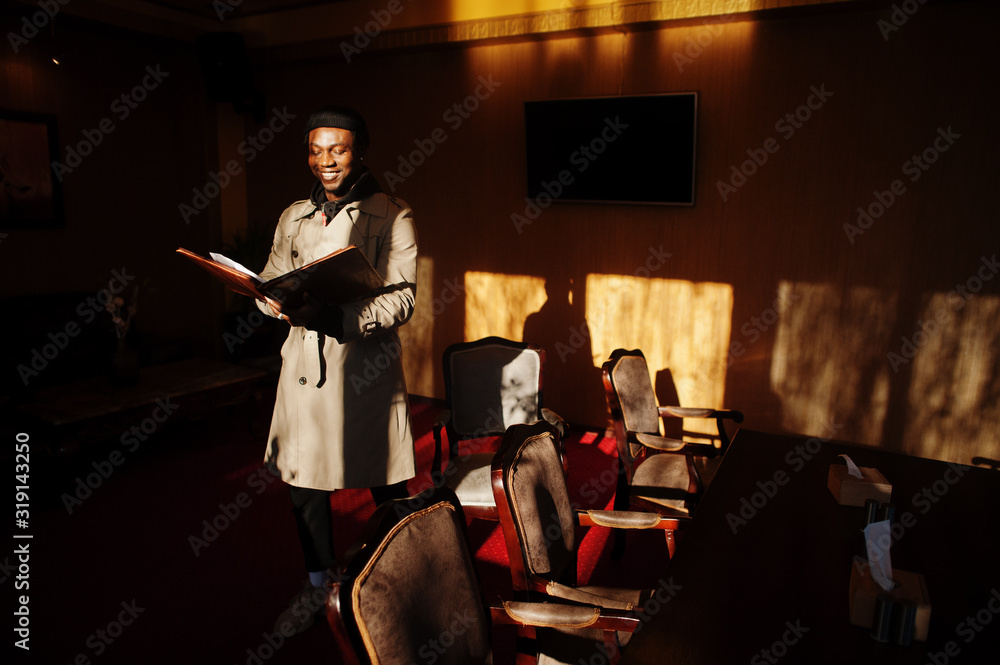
(30, 195)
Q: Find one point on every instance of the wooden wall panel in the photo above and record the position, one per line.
(818, 362)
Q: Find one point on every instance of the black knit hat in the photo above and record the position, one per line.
(341, 117)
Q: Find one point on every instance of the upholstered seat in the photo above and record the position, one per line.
(490, 384)
(469, 476)
(657, 478)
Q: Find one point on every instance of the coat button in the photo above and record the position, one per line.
(295, 253)
(302, 380)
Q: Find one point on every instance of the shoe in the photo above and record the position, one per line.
(302, 611)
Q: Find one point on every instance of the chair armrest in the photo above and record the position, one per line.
(720, 415)
(683, 412)
(694, 412)
(579, 596)
(555, 615)
(676, 446)
(557, 421)
(629, 519)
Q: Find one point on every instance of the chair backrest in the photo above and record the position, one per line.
(410, 582)
(632, 390)
(534, 505)
(491, 384)
(631, 399)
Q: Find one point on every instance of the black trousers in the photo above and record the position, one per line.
(314, 521)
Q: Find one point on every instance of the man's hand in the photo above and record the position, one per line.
(304, 316)
(313, 315)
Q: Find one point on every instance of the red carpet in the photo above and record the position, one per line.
(187, 551)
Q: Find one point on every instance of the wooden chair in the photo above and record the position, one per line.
(539, 526)
(489, 384)
(409, 594)
(655, 473)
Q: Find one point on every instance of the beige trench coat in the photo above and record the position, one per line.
(341, 417)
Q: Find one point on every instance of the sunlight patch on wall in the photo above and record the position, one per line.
(680, 326)
(953, 354)
(828, 369)
(417, 336)
(498, 304)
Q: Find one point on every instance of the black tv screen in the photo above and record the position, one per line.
(638, 149)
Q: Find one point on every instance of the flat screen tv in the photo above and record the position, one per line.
(637, 149)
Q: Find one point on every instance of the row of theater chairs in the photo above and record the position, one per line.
(493, 383)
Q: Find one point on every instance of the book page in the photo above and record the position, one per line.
(219, 258)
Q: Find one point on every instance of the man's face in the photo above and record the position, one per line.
(332, 160)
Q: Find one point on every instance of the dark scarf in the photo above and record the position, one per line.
(365, 186)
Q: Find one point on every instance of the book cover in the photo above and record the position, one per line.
(340, 277)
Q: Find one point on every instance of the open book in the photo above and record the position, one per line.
(341, 277)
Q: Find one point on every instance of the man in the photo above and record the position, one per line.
(341, 417)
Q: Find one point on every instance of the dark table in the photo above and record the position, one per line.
(770, 584)
(95, 410)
